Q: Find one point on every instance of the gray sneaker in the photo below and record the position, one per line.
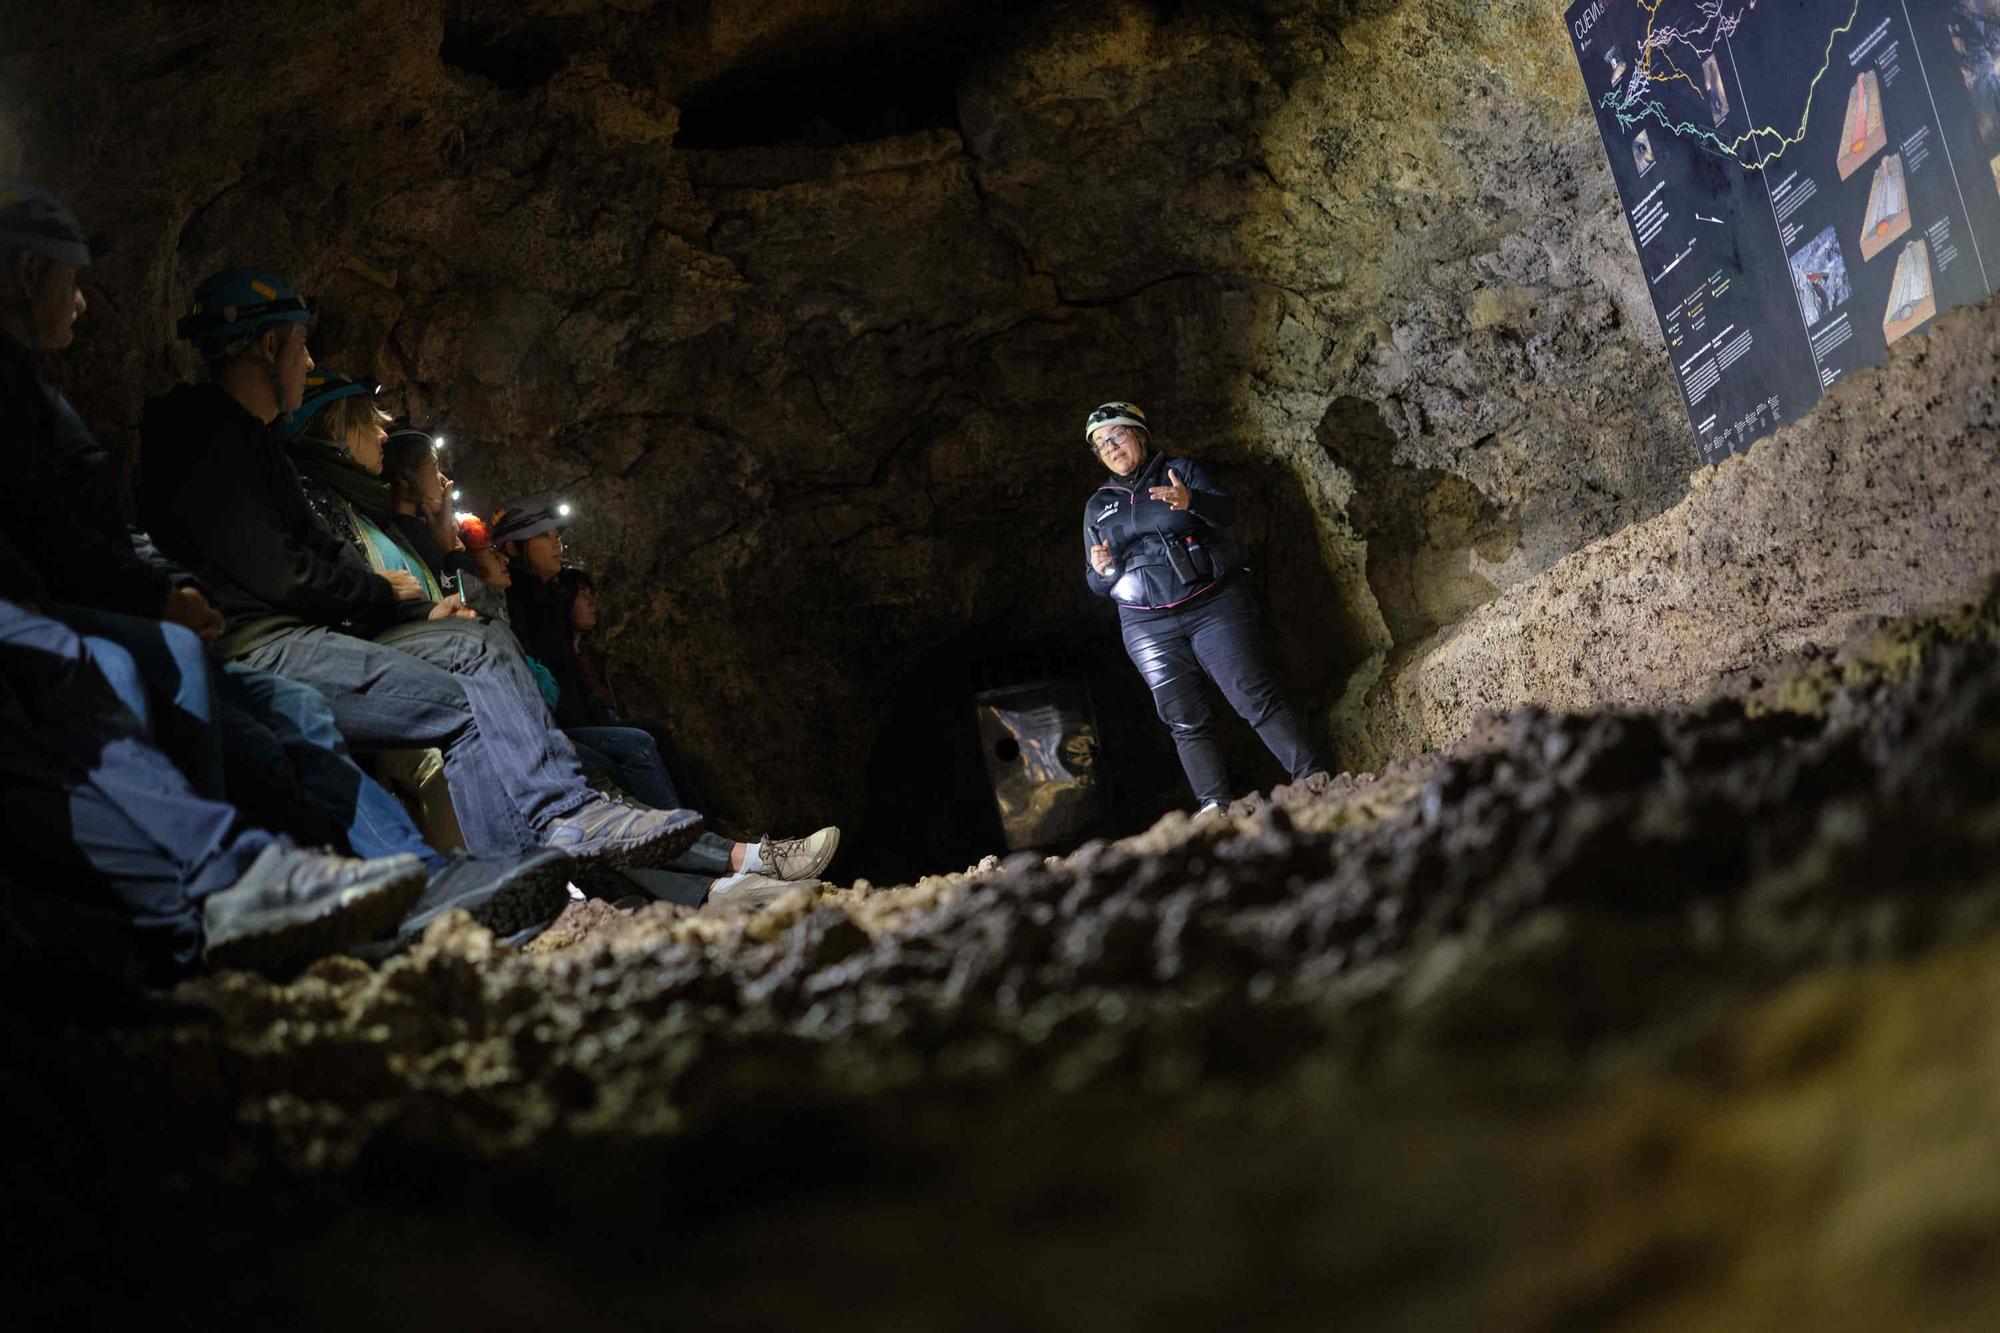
(505, 894)
(293, 905)
(608, 835)
(799, 858)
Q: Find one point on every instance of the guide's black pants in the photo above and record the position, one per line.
(1214, 635)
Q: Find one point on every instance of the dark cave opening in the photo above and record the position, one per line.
(930, 803)
(517, 59)
(850, 90)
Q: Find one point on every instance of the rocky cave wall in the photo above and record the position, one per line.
(802, 304)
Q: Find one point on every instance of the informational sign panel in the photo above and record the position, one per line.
(1807, 181)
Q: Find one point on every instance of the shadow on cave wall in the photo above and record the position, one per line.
(1422, 525)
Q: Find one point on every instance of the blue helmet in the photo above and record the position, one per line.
(229, 307)
(322, 387)
(34, 220)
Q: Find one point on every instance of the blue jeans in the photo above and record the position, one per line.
(80, 782)
(173, 666)
(278, 724)
(459, 685)
(279, 733)
(631, 758)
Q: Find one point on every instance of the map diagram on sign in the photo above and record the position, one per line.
(1806, 182)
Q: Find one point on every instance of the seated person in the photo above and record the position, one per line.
(485, 588)
(420, 494)
(64, 518)
(630, 756)
(398, 669)
(196, 880)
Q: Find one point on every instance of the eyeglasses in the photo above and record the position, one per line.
(1113, 435)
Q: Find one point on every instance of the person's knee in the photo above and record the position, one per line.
(1185, 713)
(121, 671)
(192, 692)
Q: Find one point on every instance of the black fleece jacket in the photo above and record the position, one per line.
(1123, 514)
(218, 493)
(62, 509)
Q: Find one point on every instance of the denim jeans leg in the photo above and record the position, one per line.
(384, 699)
(533, 760)
(179, 675)
(298, 717)
(635, 762)
(79, 780)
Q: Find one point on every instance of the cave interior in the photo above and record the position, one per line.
(1664, 813)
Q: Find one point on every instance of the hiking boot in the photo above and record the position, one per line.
(292, 905)
(607, 835)
(747, 891)
(799, 858)
(505, 894)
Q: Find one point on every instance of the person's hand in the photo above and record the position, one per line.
(451, 608)
(1176, 495)
(443, 525)
(186, 606)
(406, 584)
(1100, 559)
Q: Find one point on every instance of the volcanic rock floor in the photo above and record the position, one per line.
(1678, 1019)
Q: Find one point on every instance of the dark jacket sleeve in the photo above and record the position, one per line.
(425, 543)
(1207, 500)
(234, 505)
(20, 582)
(80, 561)
(1098, 583)
(58, 512)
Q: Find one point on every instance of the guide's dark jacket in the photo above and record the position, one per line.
(1139, 530)
(218, 493)
(62, 509)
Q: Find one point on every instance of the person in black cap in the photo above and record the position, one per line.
(399, 669)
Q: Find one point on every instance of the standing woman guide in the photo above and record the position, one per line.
(1154, 544)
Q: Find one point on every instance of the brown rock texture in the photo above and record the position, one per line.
(1879, 503)
(1621, 1019)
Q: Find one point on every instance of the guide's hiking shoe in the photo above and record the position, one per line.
(505, 894)
(747, 891)
(799, 858)
(292, 905)
(607, 835)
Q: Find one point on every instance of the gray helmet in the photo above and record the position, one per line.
(34, 220)
(1115, 414)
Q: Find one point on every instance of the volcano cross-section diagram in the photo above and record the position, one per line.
(1862, 133)
(1888, 213)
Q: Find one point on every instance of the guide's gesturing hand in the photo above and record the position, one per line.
(1176, 495)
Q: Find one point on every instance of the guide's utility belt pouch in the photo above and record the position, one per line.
(1191, 564)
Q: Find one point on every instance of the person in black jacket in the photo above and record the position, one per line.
(398, 669)
(1154, 544)
(288, 767)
